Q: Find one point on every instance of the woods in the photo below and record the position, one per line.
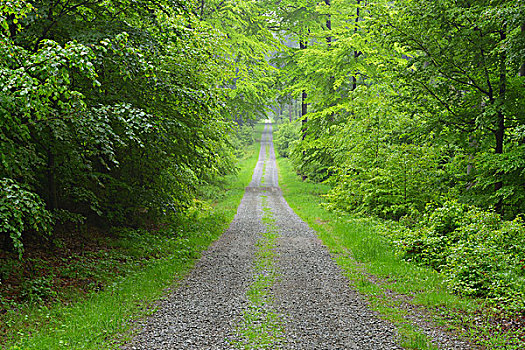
(116, 113)
(123, 113)
(417, 101)
(415, 114)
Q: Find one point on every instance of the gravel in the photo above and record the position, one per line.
(311, 297)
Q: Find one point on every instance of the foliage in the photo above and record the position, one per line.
(471, 97)
(410, 103)
(284, 138)
(38, 289)
(363, 249)
(480, 254)
(102, 281)
(116, 113)
(405, 109)
(20, 211)
(242, 138)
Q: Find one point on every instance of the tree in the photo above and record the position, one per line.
(117, 112)
(459, 64)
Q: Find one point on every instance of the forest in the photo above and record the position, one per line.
(123, 115)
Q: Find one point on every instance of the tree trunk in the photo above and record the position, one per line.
(328, 25)
(356, 53)
(12, 26)
(202, 10)
(304, 105)
(521, 72)
(51, 181)
(290, 108)
(304, 112)
(500, 127)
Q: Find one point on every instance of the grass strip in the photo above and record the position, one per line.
(261, 327)
(102, 320)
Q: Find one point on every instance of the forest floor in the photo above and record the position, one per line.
(269, 283)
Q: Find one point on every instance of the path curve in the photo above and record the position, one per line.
(307, 297)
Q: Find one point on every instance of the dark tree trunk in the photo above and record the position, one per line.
(356, 53)
(202, 10)
(500, 127)
(304, 112)
(304, 105)
(290, 108)
(51, 181)
(328, 26)
(521, 72)
(12, 26)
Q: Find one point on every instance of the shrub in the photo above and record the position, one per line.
(241, 138)
(286, 135)
(480, 254)
(21, 210)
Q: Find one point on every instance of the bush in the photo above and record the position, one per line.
(241, 138)
(480, 254)
(286, 135)
(21, 210)
(245, 135)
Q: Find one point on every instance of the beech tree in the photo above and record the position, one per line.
(413, 102)
(117, 112)
(460, 71)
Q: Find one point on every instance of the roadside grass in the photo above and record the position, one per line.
(370, 263)
(133, 270)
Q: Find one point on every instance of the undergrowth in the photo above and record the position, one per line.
(84, 297)
(375, 268)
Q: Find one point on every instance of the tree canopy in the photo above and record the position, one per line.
(116, 112)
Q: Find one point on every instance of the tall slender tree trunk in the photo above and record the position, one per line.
(356, 53)
(500, 127)
(328, 25)
(304, 112)
(304, 105)
(521, 72)
(202, 10)
(51, 181)
(304, 109)
(12, 26)
(290, 108)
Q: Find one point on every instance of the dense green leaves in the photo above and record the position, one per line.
(119, 111)
(286, 137)
(21, 210)
(410, 102)
(413, 103)
(480, 254)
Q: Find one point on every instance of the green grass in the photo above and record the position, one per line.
(101, 319)
(370, 262)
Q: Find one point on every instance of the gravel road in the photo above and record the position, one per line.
(308, 295)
